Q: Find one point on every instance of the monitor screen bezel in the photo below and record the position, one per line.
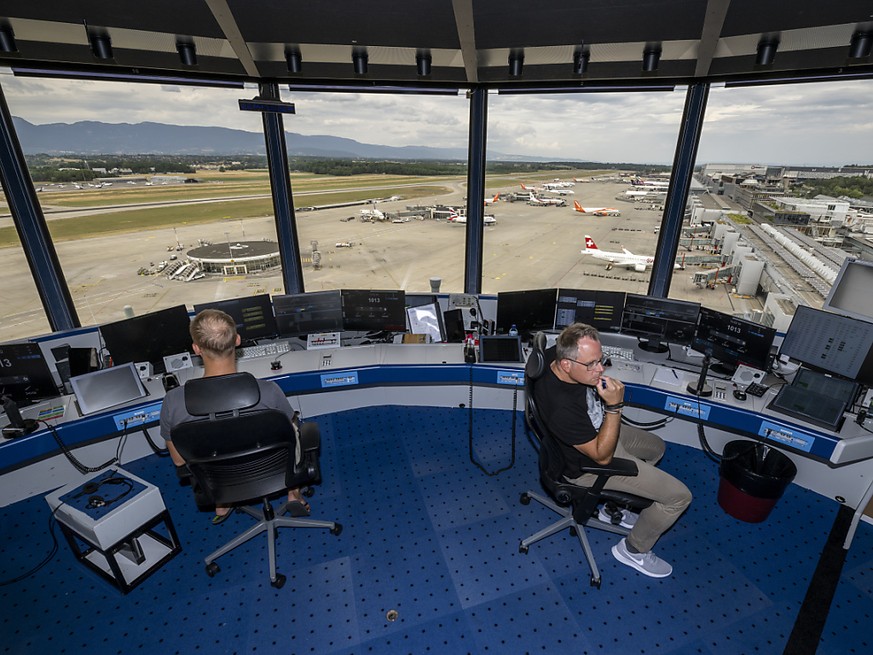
(393, 299)
(651, 336)
(330, 323)
(231, 305)
(853, 283)
(508, 303)
(123, 373)
(718, 351)
(40, 378)
(124, 347)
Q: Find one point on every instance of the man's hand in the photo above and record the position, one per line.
(610, 390)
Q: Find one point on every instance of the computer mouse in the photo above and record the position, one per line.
(739, 394)
(607, 363)
(275, 365)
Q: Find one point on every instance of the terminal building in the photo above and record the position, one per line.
(426, 459)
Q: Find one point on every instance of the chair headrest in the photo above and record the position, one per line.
(536, 361)
(221, 393)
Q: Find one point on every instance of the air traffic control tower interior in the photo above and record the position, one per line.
(745, 315)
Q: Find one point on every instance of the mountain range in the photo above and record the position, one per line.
(95, 137)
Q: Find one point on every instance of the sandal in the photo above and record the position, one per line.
(218, 519)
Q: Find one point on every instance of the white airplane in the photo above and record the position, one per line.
(536, 201)
(461, 219)
(491, 201)
(624, 258)
(561, 191)
(372, 215)
(596, 211)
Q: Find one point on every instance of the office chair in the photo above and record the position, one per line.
(237, 454)
(578, 506)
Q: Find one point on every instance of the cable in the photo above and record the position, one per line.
(470, 426)
(78, 465)
(160, 452)
(48, 558)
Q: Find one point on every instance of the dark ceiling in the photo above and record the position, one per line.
(468, 42)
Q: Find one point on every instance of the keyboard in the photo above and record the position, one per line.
(263, 350)
(617, 352)
(755, 389)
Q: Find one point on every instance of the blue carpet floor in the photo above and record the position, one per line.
(432, 537)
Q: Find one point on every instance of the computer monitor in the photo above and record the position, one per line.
(600, 309)
(24, 374)
(453, 319)
(370, 310)
(831, 343)
(106, 388)
(299, 314)
(500, 348)
(419, 299)
(253, 315)
(852, 291)
(148, 338)
(659, 321)
(427, 319)
(529, 311)
(732, 341)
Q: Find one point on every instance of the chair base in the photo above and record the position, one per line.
(569, 522)
(268, 525)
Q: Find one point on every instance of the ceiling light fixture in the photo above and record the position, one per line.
(516, 62)
(423, 61)
(294, 60)
(360, 60)
(101, 45)
(187, 52)
(651, 58)
(767, 47)
(580, 60)
(7, 39)
(860, 45)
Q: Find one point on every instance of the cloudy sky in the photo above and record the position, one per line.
(828, 123)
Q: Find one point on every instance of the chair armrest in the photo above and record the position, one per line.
(617, 466)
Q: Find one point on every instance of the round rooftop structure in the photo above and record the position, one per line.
(236, 257)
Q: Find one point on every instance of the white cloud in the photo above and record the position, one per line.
(815, 123)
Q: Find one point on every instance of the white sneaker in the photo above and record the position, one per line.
(646, 563)
(628, 518)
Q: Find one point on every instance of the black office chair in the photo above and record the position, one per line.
(578, 506)
(237, 456)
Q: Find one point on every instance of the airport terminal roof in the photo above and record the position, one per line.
(440, 44)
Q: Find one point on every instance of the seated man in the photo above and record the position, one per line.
(215, 339)
(581, 407)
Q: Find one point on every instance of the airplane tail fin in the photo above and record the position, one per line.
(589, 243)
(524, 188)
(578, 207)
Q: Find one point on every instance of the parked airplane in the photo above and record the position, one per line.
(596, 211)
(461, 219)
(557, 184)
(491, 201)
(369, 215)
(624, 258)
(546, 202)
(656, 184)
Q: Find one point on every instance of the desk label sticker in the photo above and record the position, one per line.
(784, 435)
(515, 378)
(686, 407)
(344, 379)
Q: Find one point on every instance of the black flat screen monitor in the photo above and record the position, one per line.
(659, 321)
(148, 338)
(24, 374)
(816, 398)
(299, 314)
(253, 315)
(529, 311)
(106, 388)
(732, 341)
(453, 319)
(852, 291)
(427, 319)
(419, 299)
(369, 310)
(831, 343)
(500, 348)
(600, 309)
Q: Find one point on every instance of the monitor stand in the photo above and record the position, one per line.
(723, 369)
(653, 346)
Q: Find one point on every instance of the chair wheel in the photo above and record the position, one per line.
(595, 582)
(524, 500)
(522, 549)
(279, 582)
(309, 492)
(336, 529)
(572, 532)
(212, 569)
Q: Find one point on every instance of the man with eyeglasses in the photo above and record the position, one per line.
(582, 408)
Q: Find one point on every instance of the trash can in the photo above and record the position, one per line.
(753, 477)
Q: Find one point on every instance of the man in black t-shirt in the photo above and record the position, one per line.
(581, 407)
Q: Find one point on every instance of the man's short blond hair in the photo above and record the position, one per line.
(214, 332)
(567, 344)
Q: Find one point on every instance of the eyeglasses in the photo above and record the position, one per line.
(590, 365)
